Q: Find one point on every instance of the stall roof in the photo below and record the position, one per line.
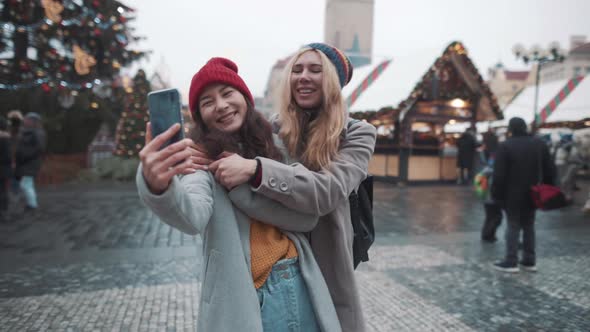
(575, 107)
(388, 89)
(572, 107)
(454, 75)
(522, 105)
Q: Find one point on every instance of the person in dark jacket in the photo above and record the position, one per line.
(521, 162)
(5, 167)
(490, 144)
(29, 153)
(15, 120)
(466, 147)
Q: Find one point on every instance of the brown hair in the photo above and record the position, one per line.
(255, 137)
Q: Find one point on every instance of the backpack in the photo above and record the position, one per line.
(361, 217)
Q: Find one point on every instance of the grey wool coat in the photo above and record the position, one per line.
(197, 204)
(325, 193)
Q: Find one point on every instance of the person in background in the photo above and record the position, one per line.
(521, 162)
(493, 211)
(466, 147)
(29, 156)
(5, 168)
(490, 143)
(15, 121)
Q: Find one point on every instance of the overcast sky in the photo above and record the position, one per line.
(255, 33)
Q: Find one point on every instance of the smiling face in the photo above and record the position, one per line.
(222, 108)
(306, 80)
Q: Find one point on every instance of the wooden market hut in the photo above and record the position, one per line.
(417, 148)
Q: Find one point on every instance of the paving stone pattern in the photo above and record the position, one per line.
(94, 259)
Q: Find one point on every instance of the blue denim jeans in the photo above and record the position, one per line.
(27, 185)
(284, 300)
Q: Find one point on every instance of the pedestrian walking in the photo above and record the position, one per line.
(30, 147)
(256, 276)
(327, 158)
(521, 162)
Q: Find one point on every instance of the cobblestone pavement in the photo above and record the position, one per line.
(94, 259)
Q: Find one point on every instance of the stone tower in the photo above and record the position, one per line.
(349, 27)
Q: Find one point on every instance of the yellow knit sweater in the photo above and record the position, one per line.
(268, 245)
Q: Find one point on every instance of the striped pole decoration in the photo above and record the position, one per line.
(558, 99)
(373, 75)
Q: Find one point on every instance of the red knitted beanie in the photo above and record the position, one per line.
(216, 70)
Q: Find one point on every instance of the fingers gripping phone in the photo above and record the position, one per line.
(164, 109)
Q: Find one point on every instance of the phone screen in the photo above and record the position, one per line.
(164, 109)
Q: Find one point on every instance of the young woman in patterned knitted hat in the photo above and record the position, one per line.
(255, 277)
(328, 155)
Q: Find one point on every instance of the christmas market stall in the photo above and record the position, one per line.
(564, 107)
(413, 145)
(523, 104)
(569, 108)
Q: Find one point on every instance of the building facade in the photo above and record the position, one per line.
(266, 103)
(349, 27)
(576, 63)
(506, 84)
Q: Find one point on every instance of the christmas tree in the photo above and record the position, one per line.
(57, 44)
(62, 58)
(131, 127)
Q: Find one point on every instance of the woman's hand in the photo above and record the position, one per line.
(159, 166)
(233, 170)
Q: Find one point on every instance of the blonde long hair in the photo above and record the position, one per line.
(320, 146)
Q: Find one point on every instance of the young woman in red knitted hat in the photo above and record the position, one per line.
(255, 277)
(329, 156)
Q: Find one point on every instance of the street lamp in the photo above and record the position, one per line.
(540, 56)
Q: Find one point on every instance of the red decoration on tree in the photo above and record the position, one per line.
(33, 32)
(46, 88)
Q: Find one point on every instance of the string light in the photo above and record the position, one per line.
(130, 135)
(53, 36)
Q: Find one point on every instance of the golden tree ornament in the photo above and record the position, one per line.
(53, 10)
(82, 61)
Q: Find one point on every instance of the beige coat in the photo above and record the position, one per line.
(325, 193)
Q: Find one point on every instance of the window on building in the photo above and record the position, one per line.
(577, 71)
(587, 70)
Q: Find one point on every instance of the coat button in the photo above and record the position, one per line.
(272, 182)
(284, 186)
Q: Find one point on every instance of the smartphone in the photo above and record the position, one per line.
(164, 108)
